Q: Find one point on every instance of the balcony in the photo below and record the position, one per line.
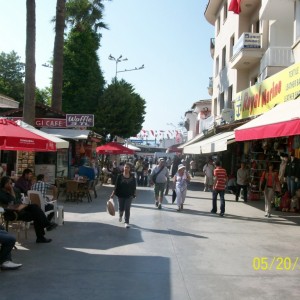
(276, 10)
(212, 47)
(210, 86)
(274, 60)
(247, 51)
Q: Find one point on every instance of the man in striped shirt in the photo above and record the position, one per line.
(220, 179)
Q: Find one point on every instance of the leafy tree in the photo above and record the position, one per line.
(12, 76)
(121, 111)
(43, 96)
(29, 92)
(83, 80)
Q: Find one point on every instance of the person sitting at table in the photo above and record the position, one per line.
(28, 213)
(43, 187)
(23, 184)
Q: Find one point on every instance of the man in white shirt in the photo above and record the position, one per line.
(208, 171)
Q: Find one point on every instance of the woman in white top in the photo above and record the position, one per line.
(181, 180)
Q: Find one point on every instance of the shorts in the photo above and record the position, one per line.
(159, 189)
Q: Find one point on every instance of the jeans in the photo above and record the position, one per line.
(7, 242)
(291, 185)
(222, 199)
(124, 205)
(238, 190)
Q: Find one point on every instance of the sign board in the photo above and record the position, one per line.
(79, 120)
(258, 99)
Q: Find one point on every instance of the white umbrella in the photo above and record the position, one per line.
(60, 143)
(132, 147)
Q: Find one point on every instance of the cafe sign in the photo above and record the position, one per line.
(258, 99)
(79, 120)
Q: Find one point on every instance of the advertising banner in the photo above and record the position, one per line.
(281, 87)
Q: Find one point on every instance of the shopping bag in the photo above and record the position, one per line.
(110, 207)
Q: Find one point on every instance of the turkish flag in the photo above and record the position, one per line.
(235, 6)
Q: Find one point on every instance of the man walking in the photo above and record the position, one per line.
(242, 181)
(220, 178)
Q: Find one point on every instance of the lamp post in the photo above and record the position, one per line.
(120, 59)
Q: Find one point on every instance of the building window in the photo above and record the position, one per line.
(231, 45)
(217, 67)
(215, 108)
(218, 25)
(221, 101)
(225, 10)
(223, 57)
(229, 103)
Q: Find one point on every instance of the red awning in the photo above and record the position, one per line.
(282, 120)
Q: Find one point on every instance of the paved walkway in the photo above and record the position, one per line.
(165, 255)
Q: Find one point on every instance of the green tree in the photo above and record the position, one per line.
(83, 80)
(43, 96)
(29, 91)
(121, 111)
(12, 76)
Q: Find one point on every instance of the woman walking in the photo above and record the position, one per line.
(269, 183)
(181, 180)
(125, 190)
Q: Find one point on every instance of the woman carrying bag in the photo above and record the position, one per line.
(269, 183)
(125, 190)
(181, 180)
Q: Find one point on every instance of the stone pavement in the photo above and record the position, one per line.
(165, 255)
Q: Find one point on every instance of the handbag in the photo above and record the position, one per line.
(110, 207)
(174, 195)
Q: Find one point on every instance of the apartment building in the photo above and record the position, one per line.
(250, 46)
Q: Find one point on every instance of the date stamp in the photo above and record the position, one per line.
(277, 263)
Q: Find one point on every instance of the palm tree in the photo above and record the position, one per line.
(57, 80)
(29, 90)
(82, 13)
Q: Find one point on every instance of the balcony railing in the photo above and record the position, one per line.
(277, 57)
(247, 40)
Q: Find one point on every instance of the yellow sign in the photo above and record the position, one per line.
(281, 87)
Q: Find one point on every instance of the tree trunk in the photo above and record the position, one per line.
(29, 91)
(57, 81)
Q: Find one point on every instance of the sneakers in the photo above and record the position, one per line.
(159, 206)
(43, 240)
(266, 214)
(213, 211)
(9, 265)
(127, 225)
(181, 206)
(221, 214)
(178, 209)
(120, 218)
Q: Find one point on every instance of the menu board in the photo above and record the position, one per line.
(48, 171)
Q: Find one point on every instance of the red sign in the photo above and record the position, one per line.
(46, 122)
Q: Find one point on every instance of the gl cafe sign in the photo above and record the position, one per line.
(258, 99)
(71, 120)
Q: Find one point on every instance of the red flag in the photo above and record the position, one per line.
(235, 6)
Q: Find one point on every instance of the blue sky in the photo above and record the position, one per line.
(170, 37)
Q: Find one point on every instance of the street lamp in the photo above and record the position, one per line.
(117, 60)
(120, 59)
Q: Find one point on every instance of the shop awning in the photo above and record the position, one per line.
(60, 144)
(192, 141)
(282, 120)
(215, 143)
(72, 134)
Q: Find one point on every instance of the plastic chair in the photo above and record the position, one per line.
(36, 197)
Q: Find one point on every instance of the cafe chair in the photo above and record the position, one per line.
(60, 183)
(36, 197)
(14, 223)
(72, 190)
